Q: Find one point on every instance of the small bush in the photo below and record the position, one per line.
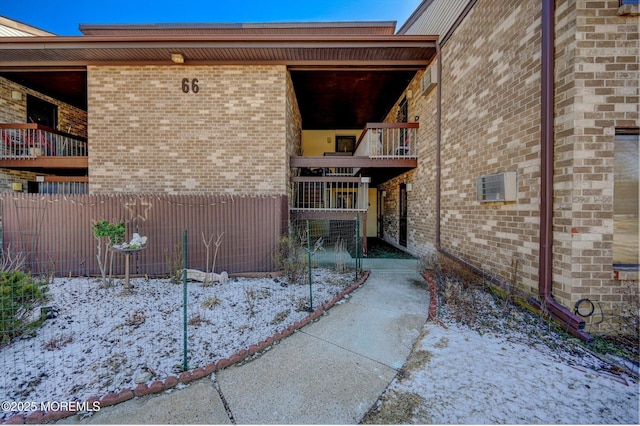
(280, 317)
(211, 302)
(197, 319)
(20, 294)
(175, 263)
(341, 254)
(58, 342)
(291, 260)
(136, 319)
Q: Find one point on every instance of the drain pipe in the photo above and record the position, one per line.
(547, 304)
(438, 140)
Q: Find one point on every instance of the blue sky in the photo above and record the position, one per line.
(62, 17)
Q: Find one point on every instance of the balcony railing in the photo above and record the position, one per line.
(345, 194)
(388, 140)
(29, 141)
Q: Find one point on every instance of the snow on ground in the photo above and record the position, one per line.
(103, 340)
(473, 378)
(460, 375)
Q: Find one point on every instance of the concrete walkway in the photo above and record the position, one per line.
(329, 372)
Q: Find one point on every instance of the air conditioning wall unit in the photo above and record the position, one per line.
(497, 187)
(429, 79)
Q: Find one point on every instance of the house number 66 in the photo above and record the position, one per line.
(194, 85)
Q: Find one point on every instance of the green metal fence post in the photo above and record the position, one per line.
(309, 260)
(185, 366)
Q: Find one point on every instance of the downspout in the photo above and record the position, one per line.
(438, 139)
(549, 306)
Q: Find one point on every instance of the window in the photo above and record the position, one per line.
(42, 112)
(625, 200)
(345, 143)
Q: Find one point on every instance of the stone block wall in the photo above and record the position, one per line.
(147, 135)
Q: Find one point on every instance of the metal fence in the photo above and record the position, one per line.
(70, 337)
(55, 231)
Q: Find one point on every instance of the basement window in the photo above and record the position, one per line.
(625, 201)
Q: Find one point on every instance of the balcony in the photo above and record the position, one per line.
(388, 141)
(326, 196)
(33, 146)
(382, 152)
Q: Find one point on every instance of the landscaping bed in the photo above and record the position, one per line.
(100, 340)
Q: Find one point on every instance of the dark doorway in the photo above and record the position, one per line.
(403, 117)
(380, 212)
(402, 237)
(380, 249)
(42, 112)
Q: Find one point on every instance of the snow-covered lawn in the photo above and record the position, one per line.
(103, 340)
(507, 367)
(468, 378)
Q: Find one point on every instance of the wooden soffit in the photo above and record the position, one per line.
(407, 51)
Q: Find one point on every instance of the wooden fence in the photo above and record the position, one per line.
(56, 235)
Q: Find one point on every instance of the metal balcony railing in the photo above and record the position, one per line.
(388, 140)
(345, 194)
(28, 141)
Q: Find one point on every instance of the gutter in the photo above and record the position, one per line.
(547, 304)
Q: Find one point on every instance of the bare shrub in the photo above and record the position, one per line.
(174, 262)
(250, 298)
(197, 319)
(458, 287)
(291, 260)
(11, 260)
(302, 304)
(57, 342)
(136, 319)
(280, 317)
(341, 253)
(207, 243)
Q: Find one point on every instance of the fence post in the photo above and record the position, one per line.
(357, 249)
(185, 366)
(309, 266)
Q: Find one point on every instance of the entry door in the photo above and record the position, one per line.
(380, 211)
(402, 237)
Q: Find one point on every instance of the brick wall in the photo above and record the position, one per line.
(148, 136)
(294, 129)
(596, 92)
(491, 123)
(421, 214)
(15, 111)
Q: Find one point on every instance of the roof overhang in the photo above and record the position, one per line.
(300, 50)
(332, 73)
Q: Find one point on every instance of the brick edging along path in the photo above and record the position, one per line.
(158, 386)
